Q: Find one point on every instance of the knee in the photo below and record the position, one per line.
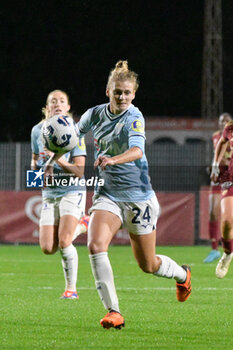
(48, 250)
(150, 266)
(146, 268)
(65, 240)
(63, 243)
(96, 247)
(226, 227)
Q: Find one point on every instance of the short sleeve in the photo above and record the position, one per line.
(84, 124)
(136, 127)
(135, 141)
(34, 143)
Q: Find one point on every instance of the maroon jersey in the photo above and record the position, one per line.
(224, 174)
(228, 135)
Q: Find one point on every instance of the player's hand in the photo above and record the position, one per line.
(53, 156)
(48, 174)
(48, 170)
(49, 153)
(103, 161)
(215, 171)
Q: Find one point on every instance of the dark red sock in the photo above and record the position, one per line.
(214, 234)
(227, 245)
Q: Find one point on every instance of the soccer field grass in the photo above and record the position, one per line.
(33, 317)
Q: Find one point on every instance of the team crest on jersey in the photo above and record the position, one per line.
(137, 126)
(81, 144)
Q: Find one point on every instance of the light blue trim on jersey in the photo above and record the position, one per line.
(38, 148)
(137, 141)
(114, 135)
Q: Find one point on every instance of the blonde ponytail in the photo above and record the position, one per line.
(121, 72)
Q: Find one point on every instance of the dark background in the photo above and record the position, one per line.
(72, 45)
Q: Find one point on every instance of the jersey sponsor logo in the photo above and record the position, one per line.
(112, 147)
(137, 126)
(35, 178)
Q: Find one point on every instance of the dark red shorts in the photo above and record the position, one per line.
(227, 193)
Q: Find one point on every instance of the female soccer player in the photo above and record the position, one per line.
(215, 192)
(126, 197)
(62, 207)
(226, 201)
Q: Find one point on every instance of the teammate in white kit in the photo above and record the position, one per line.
(62, 207)
(126, 198)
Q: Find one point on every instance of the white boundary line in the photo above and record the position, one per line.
(138, 289)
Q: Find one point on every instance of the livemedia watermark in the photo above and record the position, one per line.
(36, 179)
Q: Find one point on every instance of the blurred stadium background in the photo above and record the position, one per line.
(183, 54)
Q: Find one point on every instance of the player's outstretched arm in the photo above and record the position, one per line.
(76, 168)
(130, 155)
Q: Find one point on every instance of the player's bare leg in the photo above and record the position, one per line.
(227, 237)
(144, 251)
(48, 239)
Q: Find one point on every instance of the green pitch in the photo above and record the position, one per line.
(32, 317)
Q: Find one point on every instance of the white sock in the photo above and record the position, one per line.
(102, 271)
(170, 269)
(70, 266)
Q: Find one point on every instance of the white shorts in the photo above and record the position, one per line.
(138, 218)
(54, 208)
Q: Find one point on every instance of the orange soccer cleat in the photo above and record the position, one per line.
(69, 295)
(183, 290)
(112, 319)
